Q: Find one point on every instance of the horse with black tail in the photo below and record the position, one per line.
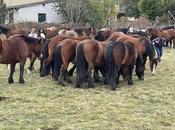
(119, 56)
(86, 53)
(62, 57)
(144, 49)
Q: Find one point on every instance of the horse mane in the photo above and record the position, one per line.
(4, 30)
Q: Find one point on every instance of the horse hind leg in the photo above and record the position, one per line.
(12, 70)
(21, 78)
(89, 76)
(61, 78)
(115, 77)
(130, 72)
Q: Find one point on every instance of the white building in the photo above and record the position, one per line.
(32, 10)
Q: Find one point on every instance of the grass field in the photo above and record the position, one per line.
(41, 104)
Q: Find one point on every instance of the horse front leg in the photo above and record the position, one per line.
(41, 65)
(12, 70)
(32, 61)
(21, 77)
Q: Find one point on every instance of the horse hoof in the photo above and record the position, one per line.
(113, 88)
(77, 86)
(21, 81)
(42, 75)
(91, 86)
(10, 81)
(98, 80)
(69, 81)
(61, 83)
(130, 83)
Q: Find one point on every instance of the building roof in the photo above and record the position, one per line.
(25, 3)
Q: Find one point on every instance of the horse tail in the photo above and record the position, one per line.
(111, 68)
(81, 64)
(126, 53)
(45, 68)
(58, 62)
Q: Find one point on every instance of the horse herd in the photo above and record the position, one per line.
(110, 52)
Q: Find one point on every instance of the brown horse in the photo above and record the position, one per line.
(90, 55)
(51, 32)
(37, 52)
(103, 34)
(15, 50)
(51, 51)
(91, 31)
(119, 57)
(10, 32)
(143, 47)
(64, 54)
(70, 33)
(168, 34)
(86, 53)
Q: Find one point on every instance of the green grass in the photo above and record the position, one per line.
(41, 104)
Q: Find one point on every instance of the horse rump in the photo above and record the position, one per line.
(113, 62)
(81, 64)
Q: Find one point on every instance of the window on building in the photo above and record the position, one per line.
(41, 17)
(11, 17)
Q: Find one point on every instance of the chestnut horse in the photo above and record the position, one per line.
(90, 55)
(51, 32)
(86, 53)
(64, 54)
(48, 53)
(143, 47)
(15, 50)
(119, 56)
(168, 34)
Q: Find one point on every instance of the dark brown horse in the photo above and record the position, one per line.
(64, 54)
(15, 50)
(103, 34)
(168, 34)
(120, 58)
(143, 47)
